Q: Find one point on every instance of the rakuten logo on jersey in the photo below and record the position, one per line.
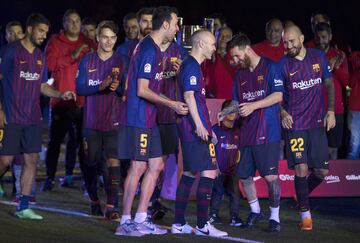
(332, 179)
(228, 146)
(286, 177)
(29, 76)
(94, 82)
(352, 177)
(169, 74)
(306, 84)
(253, 95)
(159, 76)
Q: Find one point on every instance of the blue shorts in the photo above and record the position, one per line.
(140, 144)
(17, 139)
(307, 147)
(198, 156)
(263, 157)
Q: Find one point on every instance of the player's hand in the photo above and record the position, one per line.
(286, 119)
(76, 53)
(180, 108)
(68, 95)
(115, 83)
(176, 64)
(202, 132)
(246, 109)
(105, 83)
(214, 139)
(330, 120)
(2, 119)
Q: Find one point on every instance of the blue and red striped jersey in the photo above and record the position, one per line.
(145, 63)
(190, 78)
(227, 147)
(102, 108)
(23, 72)
(263, 125)
(127, 48)
(304, 88)
(169, 87)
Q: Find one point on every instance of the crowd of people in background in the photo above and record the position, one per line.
(125, 106)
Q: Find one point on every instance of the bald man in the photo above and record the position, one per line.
(195, 134)
(272, 47)
(306, 75)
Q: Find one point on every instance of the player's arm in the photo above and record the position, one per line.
(201, 131)
(249, 107)
(330, 92)
(144, 92)
(47, 90)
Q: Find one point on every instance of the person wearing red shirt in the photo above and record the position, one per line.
(339, 68)
(318, 17)
(218, 72)
(354, 107)
(272, 47)
(63, 53)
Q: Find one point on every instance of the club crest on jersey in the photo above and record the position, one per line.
(143, 152)
(173, 59)
(39, 62)
(193, 80)
(316, 67)
(115, 70)
(260, 78)
(147, 68)
(203, 91)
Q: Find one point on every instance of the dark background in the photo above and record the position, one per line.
(247, 16)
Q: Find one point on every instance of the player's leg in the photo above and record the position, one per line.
(216, 198)
(93, 144)
(245, 171)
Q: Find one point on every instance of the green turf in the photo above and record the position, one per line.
(335, 220)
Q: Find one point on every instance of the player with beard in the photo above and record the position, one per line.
(306, 75)
(138, 132)
(339, 68)
(24, 72)
(173, 54)
(196, 134)
(258, 95)
(99, 76)
(144, 17)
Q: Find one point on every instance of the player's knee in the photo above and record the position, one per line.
(247, 181)
(321, 173)
(271, 178)
(137, 169)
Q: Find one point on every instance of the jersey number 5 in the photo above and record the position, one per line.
(143, 140)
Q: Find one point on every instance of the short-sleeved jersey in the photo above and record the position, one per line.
(23, 72)
(127, 48)
(145, 63)
(227, 147)
(190, 78)
(169, 87)
(304, 85)
(102, 108)
(263, 125)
